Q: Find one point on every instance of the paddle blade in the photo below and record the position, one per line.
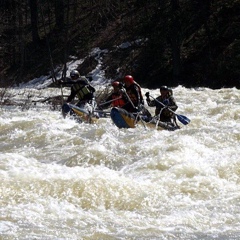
(183, 119)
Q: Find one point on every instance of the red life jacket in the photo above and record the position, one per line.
(118, 102)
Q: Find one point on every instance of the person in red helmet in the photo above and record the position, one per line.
(116, 98)
(134, 92)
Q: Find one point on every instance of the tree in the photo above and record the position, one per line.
(34, 20)
(175, 39)
(59, 14)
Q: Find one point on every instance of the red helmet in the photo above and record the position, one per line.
(115, 84)
(129, 79)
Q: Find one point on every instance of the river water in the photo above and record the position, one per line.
(63, 180)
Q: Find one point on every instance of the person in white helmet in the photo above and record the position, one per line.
(81, 88)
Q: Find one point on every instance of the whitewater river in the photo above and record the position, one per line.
(64, 180)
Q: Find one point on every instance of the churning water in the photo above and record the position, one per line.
(65, 180)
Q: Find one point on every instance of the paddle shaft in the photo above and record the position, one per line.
(129, 99)
(138, 115)
(183, 119)
(109, 101)
(162, 104)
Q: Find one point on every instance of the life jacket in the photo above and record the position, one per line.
(132, 96)
(119, 102)
(81, 90)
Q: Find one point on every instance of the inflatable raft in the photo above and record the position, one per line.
(123, 119)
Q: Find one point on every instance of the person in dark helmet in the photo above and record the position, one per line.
(168, 101)
(117, 98)
(81, 88)
(134, 92)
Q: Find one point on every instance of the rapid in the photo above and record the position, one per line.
(63, 180)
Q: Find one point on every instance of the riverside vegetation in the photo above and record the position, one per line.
(192, 43)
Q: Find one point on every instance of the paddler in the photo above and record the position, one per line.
(134, 93)
(168, 102)
(81, 88)
(117, 98)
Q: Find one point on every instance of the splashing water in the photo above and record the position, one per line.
(64, 180)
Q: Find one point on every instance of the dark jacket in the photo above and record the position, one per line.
(135, 95)
(165, 115)
(80, 88)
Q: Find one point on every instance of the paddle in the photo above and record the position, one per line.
(183, 119)
(102, 104)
